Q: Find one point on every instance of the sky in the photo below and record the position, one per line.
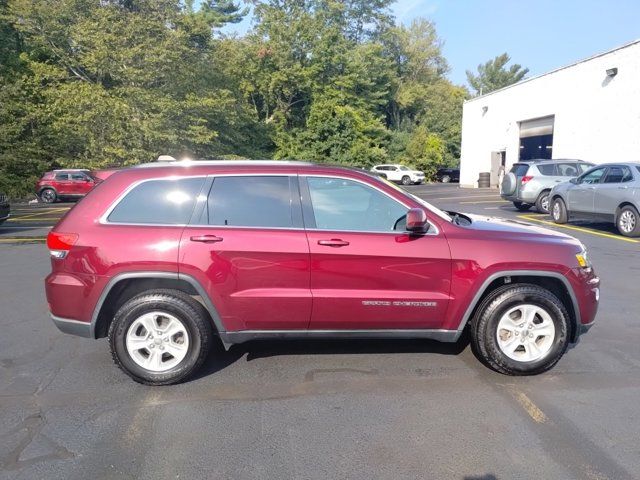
(541, 35)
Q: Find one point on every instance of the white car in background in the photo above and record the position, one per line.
(399, 173)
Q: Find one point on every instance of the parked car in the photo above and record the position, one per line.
(609, 193)
(446, 175)
(270, 250)
(65, 184)
(399, 173)
(529, 183)
(5, 209)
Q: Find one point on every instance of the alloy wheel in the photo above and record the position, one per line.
(526, 333)
(627, 221)
(157, 341)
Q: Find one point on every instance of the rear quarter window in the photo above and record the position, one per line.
(161, 202)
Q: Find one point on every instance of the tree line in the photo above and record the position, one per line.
(109, 83)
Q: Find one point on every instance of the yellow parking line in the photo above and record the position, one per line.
(40, 219)
(531, 408)
(51, 210)
(580, 229)
(23, 239)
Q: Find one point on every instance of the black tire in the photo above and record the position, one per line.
(178, 304)
(559, 212)
(523, 207)
(628, 221)
(446, 179)
(48, 195)
(542, 203)
(406, 180)
(484, 328)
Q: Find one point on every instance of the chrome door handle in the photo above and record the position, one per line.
(206, 239)
(334, 242)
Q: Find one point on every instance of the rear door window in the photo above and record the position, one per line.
(253, 201)
(160, 202)
(520, 169)
(548, 169)
(618, 174)
(62, 177)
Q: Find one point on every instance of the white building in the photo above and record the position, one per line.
(589, 111)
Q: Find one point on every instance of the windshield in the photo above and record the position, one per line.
(443, 215)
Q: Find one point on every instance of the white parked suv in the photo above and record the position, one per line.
(399, 173)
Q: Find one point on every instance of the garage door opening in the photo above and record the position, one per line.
(536, 138)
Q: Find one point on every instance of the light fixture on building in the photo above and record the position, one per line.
(612, 72)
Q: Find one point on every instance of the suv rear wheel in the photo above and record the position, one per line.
(520, 329)
(160, 337)
(445, 179)
(628, 221)
(406, 180)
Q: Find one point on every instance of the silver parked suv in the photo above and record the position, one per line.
(529, 182)
(609, 193)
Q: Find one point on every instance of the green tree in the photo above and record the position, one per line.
(494, 75)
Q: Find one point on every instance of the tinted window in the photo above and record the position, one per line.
(62, 177)
(251, 202)
(618, 175)
(79, 177)
(547, 169)
(164, 202)
(340, 204)
(520, 169)
(568, 170)
(594, 176)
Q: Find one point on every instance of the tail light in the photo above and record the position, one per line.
(526, 178)
(59, 244)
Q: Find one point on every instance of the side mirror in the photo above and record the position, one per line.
(417, 221)
(575, 180)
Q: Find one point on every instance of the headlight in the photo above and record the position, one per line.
(583, 258)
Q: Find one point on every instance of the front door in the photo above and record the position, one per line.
(249, 251)
(367, 272)
(581, 195)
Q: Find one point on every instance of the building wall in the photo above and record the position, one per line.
(597, 118)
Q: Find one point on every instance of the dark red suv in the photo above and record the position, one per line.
(164, 257)
(65, 184)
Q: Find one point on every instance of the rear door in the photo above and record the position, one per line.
(612, 191)
(248, 249)
(63, 184)
(581, 196)
(367, 272)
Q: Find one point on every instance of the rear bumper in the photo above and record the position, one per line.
(72, 327)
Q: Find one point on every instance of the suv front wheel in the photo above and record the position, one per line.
(520, 329)
(160, 337)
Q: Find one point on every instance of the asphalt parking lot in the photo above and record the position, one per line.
(320, 410)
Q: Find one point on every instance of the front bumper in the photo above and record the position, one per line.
(586, 288)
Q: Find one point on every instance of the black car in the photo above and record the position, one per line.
(4, 207)
(446, 175)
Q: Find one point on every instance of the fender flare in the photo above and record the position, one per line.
(523, 273)
(208, 304)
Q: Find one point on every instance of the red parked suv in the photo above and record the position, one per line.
(164, 257)
(65, 184)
